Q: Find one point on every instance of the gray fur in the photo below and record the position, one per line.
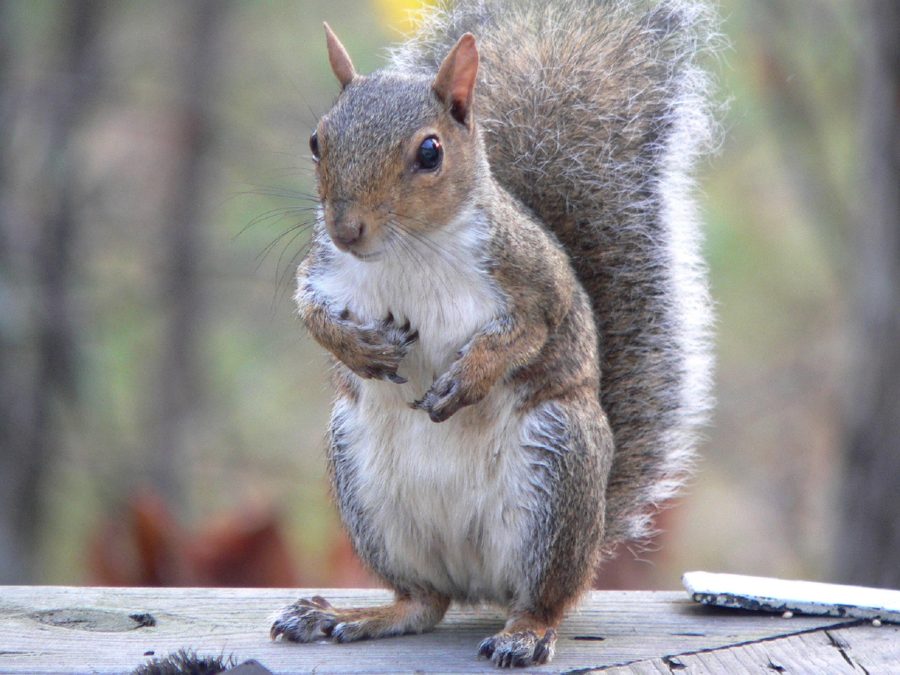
(565, 464)
(593, 115)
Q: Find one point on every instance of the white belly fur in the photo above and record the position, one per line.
(446, 498)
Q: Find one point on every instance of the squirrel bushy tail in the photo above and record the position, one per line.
(593, 113)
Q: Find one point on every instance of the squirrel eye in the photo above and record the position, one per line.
(429, 156)
(314, 145)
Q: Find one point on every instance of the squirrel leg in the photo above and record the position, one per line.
(311, 618)
(568, 444)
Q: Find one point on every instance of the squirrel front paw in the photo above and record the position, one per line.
(375, 350)
(442, 399)
(447, 395)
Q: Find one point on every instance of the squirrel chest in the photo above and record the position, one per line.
(444, 502)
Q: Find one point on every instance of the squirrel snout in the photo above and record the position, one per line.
(346, 233)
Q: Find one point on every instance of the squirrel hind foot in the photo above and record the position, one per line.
(519, 649)
(310, 619)
(305, 620)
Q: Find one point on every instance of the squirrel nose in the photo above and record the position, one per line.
(347, 232)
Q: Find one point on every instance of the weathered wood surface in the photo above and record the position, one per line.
(113, 630)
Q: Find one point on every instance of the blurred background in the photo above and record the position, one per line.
(162, 411)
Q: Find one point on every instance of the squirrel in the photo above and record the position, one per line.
(505, 270)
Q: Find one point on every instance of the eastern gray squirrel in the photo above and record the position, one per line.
(505, 269)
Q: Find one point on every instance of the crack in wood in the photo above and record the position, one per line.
(673, 663)
(769, 638)
(143, 619)
(842, 646)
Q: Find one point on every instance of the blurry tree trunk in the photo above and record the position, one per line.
(32, 390)
(180, 389)
(6, 111)
(868, 543)
(12, 567)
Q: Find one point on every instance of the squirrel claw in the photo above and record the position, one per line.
(318, 601)
(519, 649)
(374, 351)
(442, 400)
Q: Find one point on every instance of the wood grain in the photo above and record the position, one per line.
(858, 650)
(113, 630)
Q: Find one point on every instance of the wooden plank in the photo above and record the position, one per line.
(112, 630)
(847, 651)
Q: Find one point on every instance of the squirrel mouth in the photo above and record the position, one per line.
(367, 257)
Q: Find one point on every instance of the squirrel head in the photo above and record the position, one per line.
(398, 155)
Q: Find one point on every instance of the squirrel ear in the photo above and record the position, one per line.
(455, 80)
(340, 61)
